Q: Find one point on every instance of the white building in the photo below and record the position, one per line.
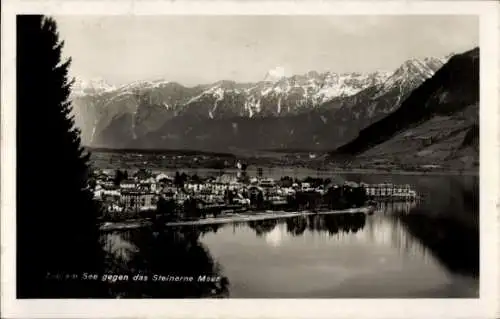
(128, 184)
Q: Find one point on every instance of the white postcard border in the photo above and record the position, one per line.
(484, 307)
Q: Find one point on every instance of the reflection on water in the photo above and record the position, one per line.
(155, 261)
(429, 249)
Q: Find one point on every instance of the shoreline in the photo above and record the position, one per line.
(405, 172)
(353, 171)
(236, 218)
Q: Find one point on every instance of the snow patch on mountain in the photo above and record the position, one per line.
(275, 74)
(347, 84)
(218, 92)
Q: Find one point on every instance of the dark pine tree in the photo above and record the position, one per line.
(57, 231)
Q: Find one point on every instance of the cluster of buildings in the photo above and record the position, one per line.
(125, 196)
(386, 190)
(138, 193)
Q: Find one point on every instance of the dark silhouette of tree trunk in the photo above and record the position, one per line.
(57, 231)
(119, 177)
(260, 201)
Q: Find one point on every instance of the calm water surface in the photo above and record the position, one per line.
(428, 250)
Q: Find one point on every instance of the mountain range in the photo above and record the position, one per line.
(313, 111)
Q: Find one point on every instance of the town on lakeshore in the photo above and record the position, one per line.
(192, 198)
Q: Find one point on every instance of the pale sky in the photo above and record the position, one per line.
(203, 49)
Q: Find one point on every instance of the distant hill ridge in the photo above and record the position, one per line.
(437, 122)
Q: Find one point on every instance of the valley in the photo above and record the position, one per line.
(421, 118)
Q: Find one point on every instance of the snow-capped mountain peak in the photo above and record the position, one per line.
(410, 74)
(92, 86)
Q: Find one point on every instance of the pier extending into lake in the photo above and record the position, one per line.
(126, 225)
(266, 215)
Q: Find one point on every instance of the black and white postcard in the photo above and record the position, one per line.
(328, 159)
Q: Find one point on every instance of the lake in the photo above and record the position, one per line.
(428, 249)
